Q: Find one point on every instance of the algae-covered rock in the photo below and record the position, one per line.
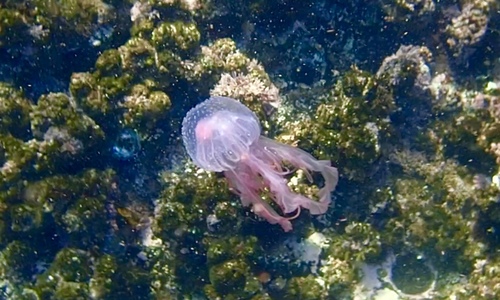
(349, 127)
(176, 35)
(26, 217)
(144, 108)
(232, 280)
(67, 276)
(17, 261)
(305, 288)
(14, 112)
(97, 201)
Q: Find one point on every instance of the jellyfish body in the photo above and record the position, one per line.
(222, 135)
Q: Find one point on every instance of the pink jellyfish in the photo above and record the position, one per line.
(222, 135)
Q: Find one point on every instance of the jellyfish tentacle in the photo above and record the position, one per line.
(296, 214)
(250, 196)
(307, 163)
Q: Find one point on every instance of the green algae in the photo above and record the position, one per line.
(56, 178)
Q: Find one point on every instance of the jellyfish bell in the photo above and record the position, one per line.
(218, 132)
(126, 145)
(222, 135)
(203, 130)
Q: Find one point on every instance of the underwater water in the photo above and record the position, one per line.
(364, 163)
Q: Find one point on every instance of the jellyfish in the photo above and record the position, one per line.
(223, 135)
(126, 145)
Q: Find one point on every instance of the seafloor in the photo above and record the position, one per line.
(99, 200)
